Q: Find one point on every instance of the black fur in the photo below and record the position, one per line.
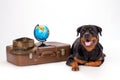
(80, 52)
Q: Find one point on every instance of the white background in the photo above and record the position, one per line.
(19, 17)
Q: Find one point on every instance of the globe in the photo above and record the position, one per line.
(41, 33)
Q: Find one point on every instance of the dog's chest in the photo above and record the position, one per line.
(90, 56)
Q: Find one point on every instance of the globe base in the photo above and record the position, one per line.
(42, 45)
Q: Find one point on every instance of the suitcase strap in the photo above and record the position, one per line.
(48, 54)
(52, 53)
(56, 53)
(46, 51)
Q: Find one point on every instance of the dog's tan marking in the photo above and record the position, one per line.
(79, 61)
(94, 64)
(75, 66)
(89, 48)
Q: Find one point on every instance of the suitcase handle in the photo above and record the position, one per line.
(48, 54)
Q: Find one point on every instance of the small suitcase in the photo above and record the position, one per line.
(53, 52)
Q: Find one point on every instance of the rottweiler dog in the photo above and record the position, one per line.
(86, 50)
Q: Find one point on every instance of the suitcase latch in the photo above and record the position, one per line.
(62, 52)
(30, 56)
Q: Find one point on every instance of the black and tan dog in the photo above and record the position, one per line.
(86, 50)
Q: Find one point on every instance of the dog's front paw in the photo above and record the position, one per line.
(75, 68)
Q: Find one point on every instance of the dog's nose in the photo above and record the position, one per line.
(87, 35)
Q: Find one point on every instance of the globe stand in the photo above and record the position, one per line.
(42, 44)
(41, 33)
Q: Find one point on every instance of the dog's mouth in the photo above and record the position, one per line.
(89, 43)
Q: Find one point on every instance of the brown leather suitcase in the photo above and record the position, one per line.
(53, 52)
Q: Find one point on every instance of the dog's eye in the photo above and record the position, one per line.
(92, 31)
(83, 30)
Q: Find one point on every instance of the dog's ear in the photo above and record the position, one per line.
(79, 30)
(99, 29)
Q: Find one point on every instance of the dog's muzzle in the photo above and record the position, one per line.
(88, 41)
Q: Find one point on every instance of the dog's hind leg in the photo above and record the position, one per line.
(94, 63)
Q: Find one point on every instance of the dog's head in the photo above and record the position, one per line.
(89, 36)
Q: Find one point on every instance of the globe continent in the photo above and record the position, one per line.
(41, 32)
